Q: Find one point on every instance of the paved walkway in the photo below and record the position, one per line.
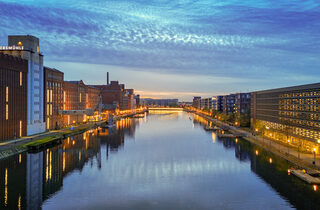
(17, 142)
(289, 153)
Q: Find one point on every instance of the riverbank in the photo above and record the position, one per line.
(300, 159)
(12, 147)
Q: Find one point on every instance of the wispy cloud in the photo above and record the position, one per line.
(257, 39)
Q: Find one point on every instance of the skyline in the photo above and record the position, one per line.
(180, 48)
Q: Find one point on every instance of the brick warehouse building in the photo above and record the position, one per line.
(290, 115)
(53, 97)
(13, 97)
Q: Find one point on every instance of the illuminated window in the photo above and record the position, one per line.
(7, 111)
(38, 49)
(48, 123)
(50, 95)
(7, 94)
(19, 43)
(20, 128)
(50, 109)
(80, 97)
(20, 78)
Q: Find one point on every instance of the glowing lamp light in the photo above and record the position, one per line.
(257, 129)
(319, 141)
(257, 152)
(267, 127)
(236, 140)
(270, 160)
(315, 187)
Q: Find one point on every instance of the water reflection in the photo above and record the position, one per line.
(29, 179)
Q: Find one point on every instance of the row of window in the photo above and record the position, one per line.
(286, 129)
(300, 94)
(309, 108)
(300, 101)
(302, 115)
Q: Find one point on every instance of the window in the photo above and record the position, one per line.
(80, 97)
(7, 111)
(48, 123)
(20, 79)
(20, 128)
(50, 95)
(7, 94)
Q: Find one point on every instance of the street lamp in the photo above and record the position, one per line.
(314, 153)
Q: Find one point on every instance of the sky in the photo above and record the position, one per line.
(174, 48)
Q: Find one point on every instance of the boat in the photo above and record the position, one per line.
(311, 178)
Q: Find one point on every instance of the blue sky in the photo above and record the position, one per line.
(174, 48)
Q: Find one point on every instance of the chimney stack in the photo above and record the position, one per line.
(107, 78)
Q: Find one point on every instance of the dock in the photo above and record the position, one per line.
(303, 175)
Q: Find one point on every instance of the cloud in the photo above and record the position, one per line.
(250, 39)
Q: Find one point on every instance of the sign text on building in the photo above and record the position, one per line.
(11, 48)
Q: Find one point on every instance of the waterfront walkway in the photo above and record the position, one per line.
(304, 160)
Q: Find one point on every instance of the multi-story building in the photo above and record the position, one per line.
(206, 103)
(219, 104)
(242, 103)
(196, 102)
(290, 115)
(27, 47)
(79, 101)
(127, 100)
(111, 94)
(53, 97)
(229, 103)
(13, 97)
(137, 97)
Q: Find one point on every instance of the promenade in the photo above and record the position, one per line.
(303, 160)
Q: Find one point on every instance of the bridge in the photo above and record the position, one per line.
(165, 108)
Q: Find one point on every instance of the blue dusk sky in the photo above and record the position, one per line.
(174, 49)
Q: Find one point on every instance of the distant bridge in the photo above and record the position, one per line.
(165, 108)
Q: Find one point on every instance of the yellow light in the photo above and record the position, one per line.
(19, 43)
(19, 158)
(270, 134)
(315, 150)
(270, 160)
(257, 129)
(73, 142)
(257, 152)
(236, 140)
(315, 187)
(319, 141)
(267, 127)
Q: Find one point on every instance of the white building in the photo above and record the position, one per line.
(27, 47)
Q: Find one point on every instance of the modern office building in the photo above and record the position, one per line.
(27, 47)
(290, 115)
(53, 97)
(13, 97)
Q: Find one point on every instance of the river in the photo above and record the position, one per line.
(163, 161)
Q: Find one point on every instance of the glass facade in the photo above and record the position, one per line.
(290, 115)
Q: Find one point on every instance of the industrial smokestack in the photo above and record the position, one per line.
(107, 78)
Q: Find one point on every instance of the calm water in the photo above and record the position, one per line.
(163, 161)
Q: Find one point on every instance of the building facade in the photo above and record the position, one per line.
(242, 103)
(196, 102)
(27, 47)
(79, 102)
(53, 97)
(290, 115)
(159, 102)
(229, 103)
(13, 97)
